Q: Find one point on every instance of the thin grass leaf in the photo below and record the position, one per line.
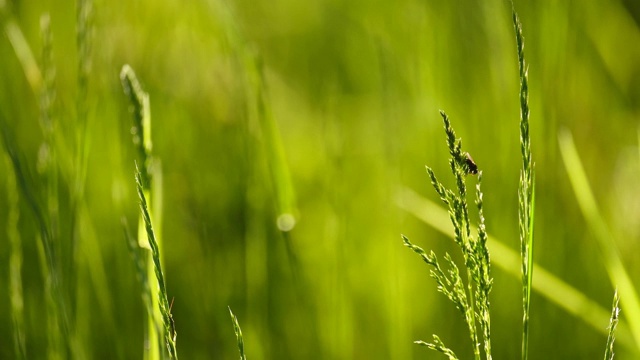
(238, 331)
(613, 323)
(21, 48)
(164, 307)
(611, 256)
(274, 151)
(138, 260)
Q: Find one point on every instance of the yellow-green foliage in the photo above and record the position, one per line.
(351, 91)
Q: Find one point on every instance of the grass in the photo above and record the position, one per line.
(169, 329)
(472, 299)
(141, 131)
(618, 275)
(526, 190)
(473, 302)
(258, 100)
(238, 331)
(15, 267)
(545, 284)
(613, 324)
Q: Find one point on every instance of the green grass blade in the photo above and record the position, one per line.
(612, 260)
(21, 48)
(165, 308)
(275, 154)
(545, 283)
(613, 323)
(138, 261)
(238, 331)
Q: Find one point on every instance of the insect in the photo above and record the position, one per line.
(471, 165)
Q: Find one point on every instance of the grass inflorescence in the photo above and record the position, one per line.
(613, 324)
(472, 299)
(238, 331)
(526, 189)
(141, 132)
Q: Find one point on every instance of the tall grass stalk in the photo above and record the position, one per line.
(141, 131)
(82, 146)
(238, 331)
(526, 189)
(84, 9)
(600, 230)
(15, 266)
(48, 168)
(472, 299)
(47, 162)
(613, 323)
(59, 322)
(169, 329)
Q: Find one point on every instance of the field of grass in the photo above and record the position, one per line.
(281, 157)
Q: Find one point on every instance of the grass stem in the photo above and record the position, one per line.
(526, 190)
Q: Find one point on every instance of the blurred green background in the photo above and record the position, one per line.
(353, 88)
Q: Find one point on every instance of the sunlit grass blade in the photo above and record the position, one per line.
(545, 283)
(600, 230)
(275, 154)
(165, 309)
(238, 331)
(613, 323)
(21, 48)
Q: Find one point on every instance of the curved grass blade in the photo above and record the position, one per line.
(613, 262)
(165, 308)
